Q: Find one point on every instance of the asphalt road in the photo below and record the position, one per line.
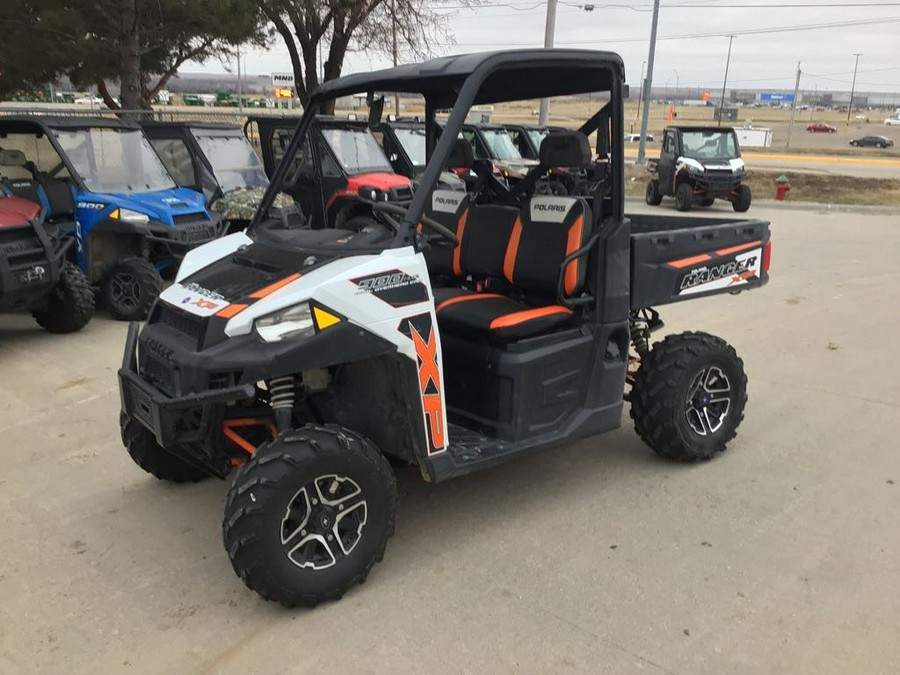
(781, 556)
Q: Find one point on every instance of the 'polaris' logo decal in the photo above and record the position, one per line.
(445, 201)
(550, 209)
(199, 290)
(157, 348)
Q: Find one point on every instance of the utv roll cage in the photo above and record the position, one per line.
(460, 82)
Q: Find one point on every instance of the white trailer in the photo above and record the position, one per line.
(754, 137)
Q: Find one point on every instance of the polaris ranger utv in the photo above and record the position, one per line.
(308, 357)
(339, 182)
(131, 220)
(35, 274)
(217, 160)
(699, 164)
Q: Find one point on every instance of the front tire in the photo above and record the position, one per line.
(653, 196)
(741, 203)
(689, 396)
(131, 289)
(309, 515)
(684, 197)
(153, 458)
(70, 305)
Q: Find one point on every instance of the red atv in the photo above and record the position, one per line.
(35, 273)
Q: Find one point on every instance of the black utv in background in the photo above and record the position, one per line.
(699, 165)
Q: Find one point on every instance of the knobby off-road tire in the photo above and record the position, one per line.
(131, 289)
(309, 515)
(653, 196)
(70, 305)
(684, 197)
(153, 458)
(680, 375)
(741, 203)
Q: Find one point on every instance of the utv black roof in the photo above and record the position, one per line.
(27, 123)
(544, 73)
(189, 124)
(688, 127)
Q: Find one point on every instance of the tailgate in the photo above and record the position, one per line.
(679, 258)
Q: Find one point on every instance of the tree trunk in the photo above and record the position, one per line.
(130, 64)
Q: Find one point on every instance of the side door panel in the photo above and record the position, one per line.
(667, 163)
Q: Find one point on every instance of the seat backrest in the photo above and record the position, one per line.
(547, 230)
(450, 208)
(486, 239)
(26, 188)
(15, 165)
(59, 197)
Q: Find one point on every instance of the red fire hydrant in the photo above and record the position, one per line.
(782, 187)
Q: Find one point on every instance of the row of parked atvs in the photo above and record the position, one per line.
(95, 207)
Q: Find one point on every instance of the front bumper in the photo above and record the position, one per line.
(30, 265)
(174, 421)
(723, 184)
(179, 238)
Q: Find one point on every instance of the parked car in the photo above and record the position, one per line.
(872, 142)
(636, 138)
(820, 128)
(891, 121)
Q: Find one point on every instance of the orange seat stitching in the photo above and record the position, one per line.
(465, 298)
(516, 318)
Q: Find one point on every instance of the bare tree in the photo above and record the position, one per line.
(408, 28)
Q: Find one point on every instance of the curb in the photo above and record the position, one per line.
(814, 206)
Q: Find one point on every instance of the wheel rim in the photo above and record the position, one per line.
(323, 522)
(125, 290)
(708, 401)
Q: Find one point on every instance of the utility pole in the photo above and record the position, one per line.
(394, 51)
(852, 88)
(549, 30)
(641, 97)
(648, 83)
(725, 81)
(239, 87)
(787, 143)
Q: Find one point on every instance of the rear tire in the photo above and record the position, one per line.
(309, 515)
(131, 289)
(684, 197)
(653, 196)
(741, 203)
(70, 305)
(153, 458)
(689, 396)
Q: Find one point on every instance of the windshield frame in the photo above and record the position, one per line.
(203, 134)
(706, 134)
(88, 182)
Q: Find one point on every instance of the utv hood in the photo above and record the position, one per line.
(164, 205)
(242, 203)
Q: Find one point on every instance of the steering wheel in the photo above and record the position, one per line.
(392, 212)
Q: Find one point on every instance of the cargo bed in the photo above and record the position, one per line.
(676, 258)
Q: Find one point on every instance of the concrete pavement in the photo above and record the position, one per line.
(781, 556)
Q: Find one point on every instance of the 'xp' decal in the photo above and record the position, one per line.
(420, 330)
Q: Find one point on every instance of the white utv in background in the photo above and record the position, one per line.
(699, 165)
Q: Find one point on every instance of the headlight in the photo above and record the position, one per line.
(130, 216)
(293, 321)
(693, 169)
(372, 194)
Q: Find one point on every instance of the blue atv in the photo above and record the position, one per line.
(131, 222)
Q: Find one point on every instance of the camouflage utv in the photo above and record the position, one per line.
(218, 160)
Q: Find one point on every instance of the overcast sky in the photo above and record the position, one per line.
(758, 61)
